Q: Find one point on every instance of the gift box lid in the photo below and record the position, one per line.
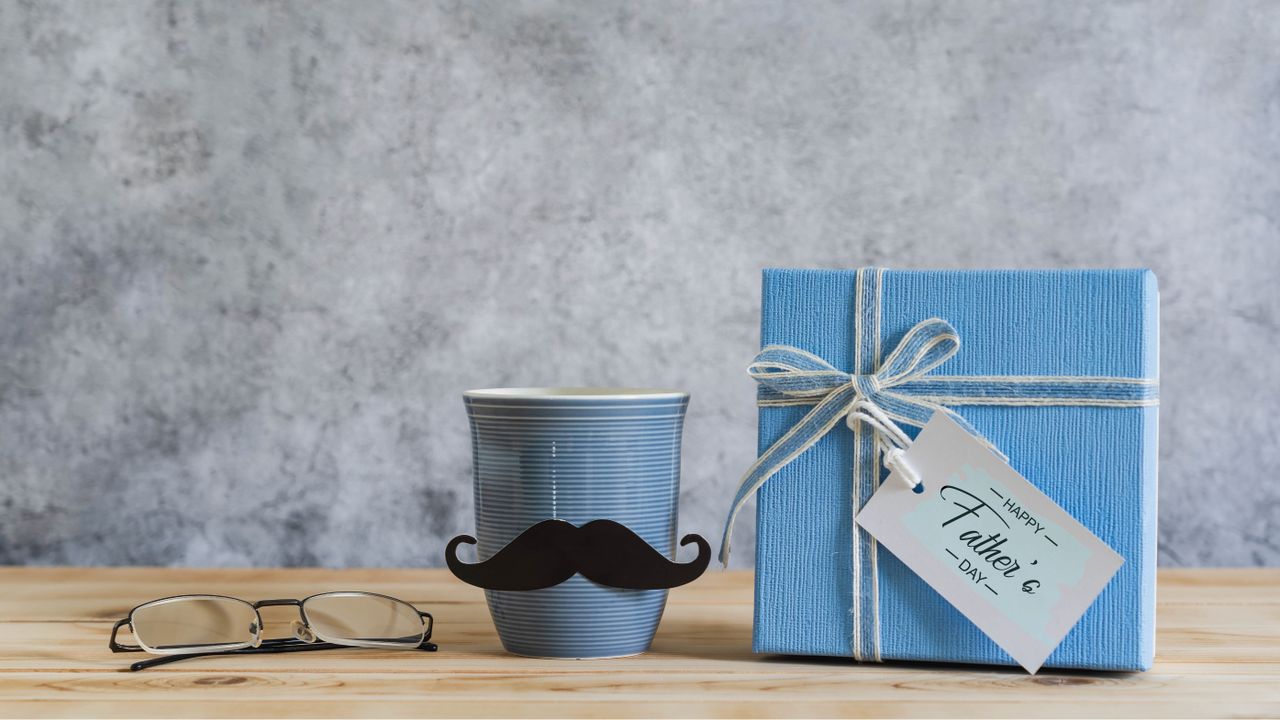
(1098, 463)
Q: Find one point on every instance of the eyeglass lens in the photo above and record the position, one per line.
(195, 622)
(360, 617)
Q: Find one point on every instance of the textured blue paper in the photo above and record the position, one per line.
(1099, 464)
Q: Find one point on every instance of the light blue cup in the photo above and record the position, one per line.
(576, 454)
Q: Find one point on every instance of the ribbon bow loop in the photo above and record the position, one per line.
(925, 346)
(790, 372)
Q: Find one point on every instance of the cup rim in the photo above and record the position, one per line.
(575, 393)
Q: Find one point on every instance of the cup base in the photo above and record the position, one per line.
(577, 657)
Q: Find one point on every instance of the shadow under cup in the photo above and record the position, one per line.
(576, 454)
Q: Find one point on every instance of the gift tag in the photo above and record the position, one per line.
(998, 549)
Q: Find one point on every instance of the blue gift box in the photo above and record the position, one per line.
(1098, 462)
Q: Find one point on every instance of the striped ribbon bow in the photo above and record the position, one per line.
(790, 376)
(879, 395)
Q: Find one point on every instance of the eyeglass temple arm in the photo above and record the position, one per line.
(267, 646)
(280, 645)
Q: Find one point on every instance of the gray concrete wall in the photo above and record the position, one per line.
(253, 252)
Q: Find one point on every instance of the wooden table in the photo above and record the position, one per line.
(1219, 655)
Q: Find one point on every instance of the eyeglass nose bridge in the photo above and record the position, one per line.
(276, 603)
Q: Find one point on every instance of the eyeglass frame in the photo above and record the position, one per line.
(268, 645)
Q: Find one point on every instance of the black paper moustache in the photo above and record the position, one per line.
(605, 552)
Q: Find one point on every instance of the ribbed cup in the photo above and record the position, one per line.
(576, 454)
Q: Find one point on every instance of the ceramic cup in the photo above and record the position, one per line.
(576, 454)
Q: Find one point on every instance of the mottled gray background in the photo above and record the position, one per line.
(253, 252)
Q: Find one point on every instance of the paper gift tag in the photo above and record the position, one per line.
(998, 549)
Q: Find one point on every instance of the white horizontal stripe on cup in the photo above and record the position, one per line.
(540, 457)
(585, 478)
(573, 406)
(584, 423)
(598, 442)
(517, 518)
(621, 504)
(493, 531)
(587, 419)
(500, 468)
(554, 601)
(603, 636)
(579, 494)
(517, 436)
(606, 484)
(654, 525)
(506, 464)
(499, 535)
(535, 625)
(608, 440)
(567, 612)
(557, 646)
(514, 513)
(631, 506)
(536, 461)
(538, 616)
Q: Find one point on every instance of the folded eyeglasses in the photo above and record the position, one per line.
(188, 626)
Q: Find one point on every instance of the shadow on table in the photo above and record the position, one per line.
(1046, 676)
(728, 641)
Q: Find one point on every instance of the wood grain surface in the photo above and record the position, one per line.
(1218, 655)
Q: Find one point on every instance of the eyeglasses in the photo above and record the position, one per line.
(187, 626)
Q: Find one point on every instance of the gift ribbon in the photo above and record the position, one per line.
(879, 395)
